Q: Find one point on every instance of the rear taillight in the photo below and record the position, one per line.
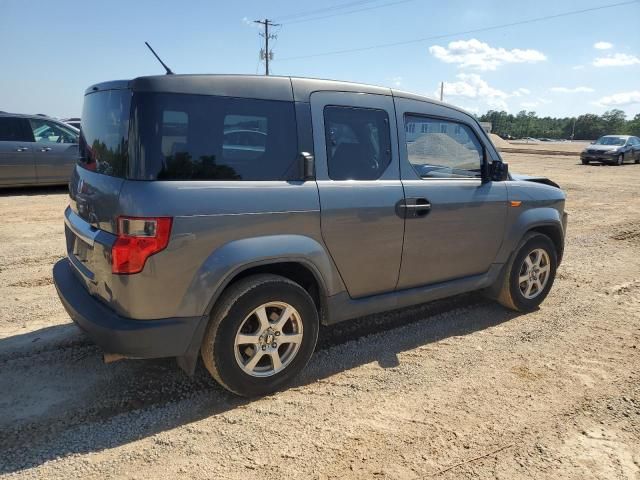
(138, 239)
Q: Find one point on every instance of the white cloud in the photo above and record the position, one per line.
(396, 81)
(476, 54)
(602, 45)
(621, 99)
(572, 90)
(472, 86)
(519, 92)
(616, 60)
(247, 21)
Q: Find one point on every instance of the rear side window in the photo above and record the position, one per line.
(104, 135)
(197, 137)
(358, 142)
(11, 130)
(438, 148)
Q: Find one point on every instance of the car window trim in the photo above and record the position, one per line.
(27, 131)
(483, 164)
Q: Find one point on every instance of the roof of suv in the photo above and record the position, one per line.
(23, 115)
(252, 86)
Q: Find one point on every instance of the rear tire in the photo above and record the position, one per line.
(529, 274)
(262, 333)
(585, 162)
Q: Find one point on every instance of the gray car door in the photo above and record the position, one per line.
(17, 165)
(55, 150)
(454, 221)
(357, 173)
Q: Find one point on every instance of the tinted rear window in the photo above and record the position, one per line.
(197, 137)
(12, 130)
(104, 134)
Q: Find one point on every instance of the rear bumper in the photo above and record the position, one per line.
(167, 337)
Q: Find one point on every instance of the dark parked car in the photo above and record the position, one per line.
(36, 150)
(613, 150)
(73, 121)
(227, 217)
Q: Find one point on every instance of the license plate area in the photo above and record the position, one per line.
(81, 250)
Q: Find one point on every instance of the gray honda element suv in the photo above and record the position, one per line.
(228, 216)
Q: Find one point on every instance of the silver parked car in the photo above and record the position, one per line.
(36, 150)
(227, 217)
(613, 150)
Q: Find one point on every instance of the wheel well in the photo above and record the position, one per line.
(555, 235)
(294, 271)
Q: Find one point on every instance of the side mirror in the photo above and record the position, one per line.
(307, 166)
(499, 171)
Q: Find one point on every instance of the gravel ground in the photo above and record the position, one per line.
(460, 388)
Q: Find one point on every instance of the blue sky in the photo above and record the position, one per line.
(560, 67)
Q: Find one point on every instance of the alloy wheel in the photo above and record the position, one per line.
(268, 339)
(534, 273)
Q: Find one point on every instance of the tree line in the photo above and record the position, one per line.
(583, 127)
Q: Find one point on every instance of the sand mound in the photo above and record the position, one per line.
(441, 149)
(498, 142)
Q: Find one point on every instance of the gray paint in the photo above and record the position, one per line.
(28, 163)
(348, 234)
(360, 226)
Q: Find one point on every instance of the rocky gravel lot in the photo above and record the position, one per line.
(460, 388)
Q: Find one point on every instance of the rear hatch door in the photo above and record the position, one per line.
(94, 189)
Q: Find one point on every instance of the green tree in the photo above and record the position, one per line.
(614, 121)
(633, 126)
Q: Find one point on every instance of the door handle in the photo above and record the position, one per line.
(413, 207)
(45, 149)
(22, 149)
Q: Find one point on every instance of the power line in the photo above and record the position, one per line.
(466, 32)
(265, 53)
(373, 7)
(324, 9)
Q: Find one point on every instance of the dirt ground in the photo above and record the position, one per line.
(457, 389)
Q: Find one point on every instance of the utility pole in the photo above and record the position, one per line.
(266, 54)
(441, 91)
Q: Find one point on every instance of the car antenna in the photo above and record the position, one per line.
(169, 72)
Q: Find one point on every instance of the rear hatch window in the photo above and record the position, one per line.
(105, 132)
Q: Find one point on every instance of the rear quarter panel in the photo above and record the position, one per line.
(219, 228)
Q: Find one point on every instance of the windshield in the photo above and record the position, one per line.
(610, 141)
(105, 131)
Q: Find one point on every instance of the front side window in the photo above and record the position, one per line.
(448, 149)
(358, 142)
(46, 131)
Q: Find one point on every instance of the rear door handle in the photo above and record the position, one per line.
(45, 149)
(22, 149)
(413, 207)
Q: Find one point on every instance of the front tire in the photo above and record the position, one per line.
(620, 159)
(530, 273)
(262, 333)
